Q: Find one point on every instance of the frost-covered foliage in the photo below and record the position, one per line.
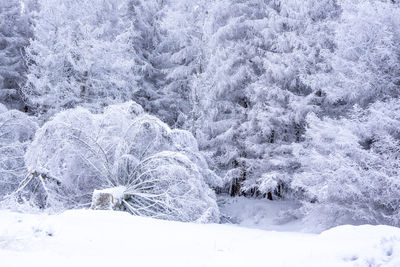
(144, 38)
(268, 64)
(14, 35)
(252, 97)
(16, 131)
(350, 166)
(349, 158)
(181, 54)
(164, 174)
(365, 64)
(80, 54)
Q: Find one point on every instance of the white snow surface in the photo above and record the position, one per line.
(264, 214)
(111, 238)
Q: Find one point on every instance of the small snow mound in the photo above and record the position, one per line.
(108, 199)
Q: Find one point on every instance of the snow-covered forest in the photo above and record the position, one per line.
(273, 114)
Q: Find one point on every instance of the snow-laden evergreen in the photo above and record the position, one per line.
(364, 61)
(80, 55)
(15, 32)
(253, 97)
(350, 166)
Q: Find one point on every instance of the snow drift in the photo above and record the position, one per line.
(104, 238)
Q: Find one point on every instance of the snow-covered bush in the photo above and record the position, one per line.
(350, 166)
(162, 170)
(16, 131)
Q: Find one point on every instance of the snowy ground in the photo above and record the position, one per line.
(262, 214)
(107, 238)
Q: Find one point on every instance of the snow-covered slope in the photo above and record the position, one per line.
(107, 238)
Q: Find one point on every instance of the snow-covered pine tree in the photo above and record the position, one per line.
(349, 159)
(181, 58)
(365, 65)
(252, 96)
(300, 41)
(80, 55)
(14, 37)
(233, 51)
(145, 37)
(350, 167)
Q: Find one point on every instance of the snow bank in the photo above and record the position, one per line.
(107, 238)
(108, 199)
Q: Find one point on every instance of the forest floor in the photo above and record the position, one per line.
(109, 238)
